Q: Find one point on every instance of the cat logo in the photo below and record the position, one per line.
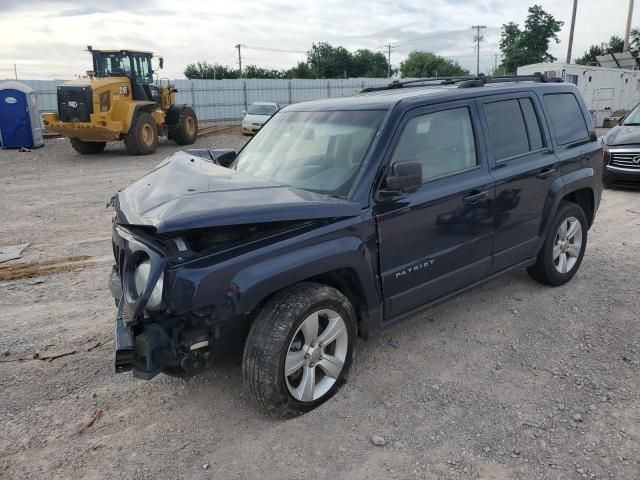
(73, 104)
(124, 90)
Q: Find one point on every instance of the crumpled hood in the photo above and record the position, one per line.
(623, 135)
(185, 192)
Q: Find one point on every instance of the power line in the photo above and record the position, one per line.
(239, 61)
(478, 38)
(389, 48)
(426, 37)
(267, 49)
(573, 25)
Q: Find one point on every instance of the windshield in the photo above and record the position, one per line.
(261, 109)
(633, 118)
(318, 151)
(112, 64)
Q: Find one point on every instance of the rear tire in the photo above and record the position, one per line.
(185, 132)
(87, 148)
(299, 350)
(142, 137)
(563, 250)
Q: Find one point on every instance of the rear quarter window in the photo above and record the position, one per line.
(566, 117)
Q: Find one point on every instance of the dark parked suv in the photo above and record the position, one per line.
(343, 216)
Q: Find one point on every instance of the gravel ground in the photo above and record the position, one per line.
(511, 381)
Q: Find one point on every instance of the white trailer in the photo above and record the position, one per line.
(606, 91)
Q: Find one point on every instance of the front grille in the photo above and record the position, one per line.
(75, 104)
(625, 160)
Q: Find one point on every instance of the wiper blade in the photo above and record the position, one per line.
(632, 124)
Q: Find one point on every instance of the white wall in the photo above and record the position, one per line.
(224, 100)
(603, 89)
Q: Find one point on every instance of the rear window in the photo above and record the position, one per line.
(566, 117)
(514, 127)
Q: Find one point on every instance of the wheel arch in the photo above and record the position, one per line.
(585, 197)
(127, 112)
(339, 263)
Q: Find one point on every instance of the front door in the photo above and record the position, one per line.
(524, 169)
(438, 239)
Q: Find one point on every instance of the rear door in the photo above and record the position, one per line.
(437, 239)
(524, 167)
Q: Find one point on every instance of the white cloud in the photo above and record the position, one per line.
(46, 38)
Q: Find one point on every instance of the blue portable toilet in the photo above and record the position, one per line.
(20, 122)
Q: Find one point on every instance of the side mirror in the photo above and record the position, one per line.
(223, 157)
(161, 62)
(403, 177)
(244, 112)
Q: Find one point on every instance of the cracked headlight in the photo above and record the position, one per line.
(141, 279)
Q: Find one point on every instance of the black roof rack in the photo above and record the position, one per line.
(464, 81)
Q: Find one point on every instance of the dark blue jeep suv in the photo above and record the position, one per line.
(343, 216)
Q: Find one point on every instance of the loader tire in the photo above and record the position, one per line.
(185, 131)
(87, 148)
(142, 137)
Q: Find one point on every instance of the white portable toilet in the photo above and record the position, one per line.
(20, 122)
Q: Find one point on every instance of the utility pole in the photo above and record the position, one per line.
(573, 25)
(388, 60)
(15, 71)
(478, 38)
(628, 29)
(239, 61)
(495, 63)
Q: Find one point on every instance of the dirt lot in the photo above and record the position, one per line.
(511, 381)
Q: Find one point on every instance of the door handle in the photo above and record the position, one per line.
(545, 173)
(475, 196)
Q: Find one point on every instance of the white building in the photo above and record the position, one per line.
(605, 90)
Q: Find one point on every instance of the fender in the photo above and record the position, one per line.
(256, 282)
(560, 188)
(126, 112)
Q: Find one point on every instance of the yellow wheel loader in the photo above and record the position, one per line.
(120, 101)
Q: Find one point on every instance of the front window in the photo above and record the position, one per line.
(633, 118)
(142, 68)
(114, 64)
(261, 109)
(317, 151)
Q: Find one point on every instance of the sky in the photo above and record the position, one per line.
(46, 39)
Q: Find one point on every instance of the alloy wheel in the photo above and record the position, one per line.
(316, 355)
(567, 245)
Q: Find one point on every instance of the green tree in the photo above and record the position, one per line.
(302, 70)
(615, 45)
(531, 43)
(251, 71)
(367, 63)
(427, 64)
(327, 61)
(204, 71)
(634, 42)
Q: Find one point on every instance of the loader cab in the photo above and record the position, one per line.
(136, 66)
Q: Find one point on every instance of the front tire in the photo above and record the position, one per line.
(87, 148)
(563, 250)
(185, 131)
(299, 350)
(142, 137)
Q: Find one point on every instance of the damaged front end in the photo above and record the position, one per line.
(187, 239)
(148, 339)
